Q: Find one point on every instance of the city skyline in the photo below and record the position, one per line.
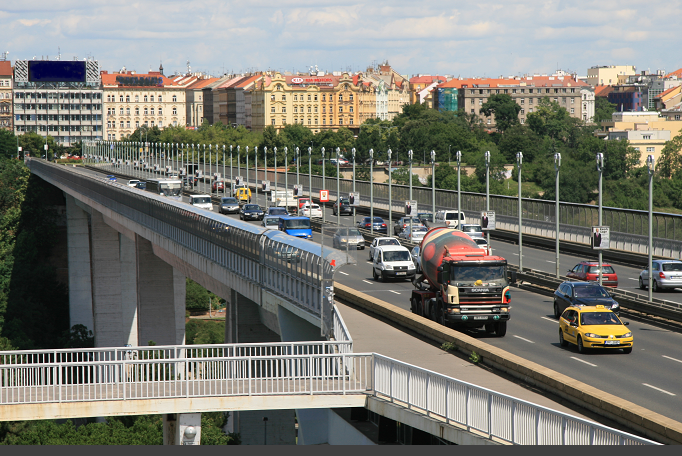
(457, 38)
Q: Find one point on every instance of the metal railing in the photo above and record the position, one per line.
(485, 411)
(272, 369)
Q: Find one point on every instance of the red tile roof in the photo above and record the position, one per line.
(602, 90)
(427, 79)
(667, 92)
(201, 83)
(530, 81)
(677, 73)
(5, 68)
(109, 79)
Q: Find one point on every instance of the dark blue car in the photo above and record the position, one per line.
(582, 294)
(111, 177)
(379, 224)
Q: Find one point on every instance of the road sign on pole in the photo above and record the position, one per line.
(324, 196)
(488, 220)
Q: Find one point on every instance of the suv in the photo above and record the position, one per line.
(345, 207)
(578, 294)
(666, 274)
(589, 271)
(449, 218)
(201, 201)
(392, 262)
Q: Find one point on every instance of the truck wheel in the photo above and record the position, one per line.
(441, 315)
(500, 328)
(374, 275)
(490, 328)
(414, 307)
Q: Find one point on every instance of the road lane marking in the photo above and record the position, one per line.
(583, 361)
(367, 281)
(344, 273)
(674, 359)
(394, 292)
(659, 389)
(632, 278)
(550, 261)
(529, 341)
(550, 319)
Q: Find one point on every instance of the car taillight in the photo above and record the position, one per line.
(383, 224)
(661, 275)
(366, 225)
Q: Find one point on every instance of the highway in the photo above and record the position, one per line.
(649, 376)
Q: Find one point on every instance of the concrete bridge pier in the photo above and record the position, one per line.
(78, 245)
(182, 429)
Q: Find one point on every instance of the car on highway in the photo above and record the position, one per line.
(348, 238)
(111, 177)
(472, 229)
(482, 244)
(201, 201)
(425, 217)
(403, 222)
(133, 182)
(417, 234)
(346, 208)
(271, 221)
(589, 271)
(392, 262)
(576, 294)
(416, 259)
(311, 210)
(379, 242)
(287, 253)
(218, 185)
(228, 205)
(594, 327)
(302, 201)
(190, 181)
(251, 212)
(449, 218)
(666, 275)
(378, 224)
(141, 185)
(274, 210)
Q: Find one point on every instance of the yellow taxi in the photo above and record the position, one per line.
(594, 327)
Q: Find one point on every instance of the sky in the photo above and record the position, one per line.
(461, 38)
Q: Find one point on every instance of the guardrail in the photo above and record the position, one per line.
(496, 415)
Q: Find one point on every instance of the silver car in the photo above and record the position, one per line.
(350, 237)
(271, 221)
(416, 259)
(666, 274)
(472, 230)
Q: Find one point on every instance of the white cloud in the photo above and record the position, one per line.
(456, 37)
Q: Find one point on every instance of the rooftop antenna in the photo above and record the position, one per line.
(189, 68)
(4, 55)
(59, 53)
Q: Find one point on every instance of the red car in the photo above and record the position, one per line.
(218, 185)
(589, 271)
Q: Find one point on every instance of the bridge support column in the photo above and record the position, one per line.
(182, 429)
(161, 297)
(80, 285)
(106, 284)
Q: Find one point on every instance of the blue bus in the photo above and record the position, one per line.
(296, 226)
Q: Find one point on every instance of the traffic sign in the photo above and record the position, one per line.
(324, 196)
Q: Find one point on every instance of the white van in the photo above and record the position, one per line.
(201, 201)
(448, 218)
(392, 262)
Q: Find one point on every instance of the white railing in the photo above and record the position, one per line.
(341, 333)
(485, 411)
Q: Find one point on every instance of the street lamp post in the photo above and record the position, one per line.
(519, 162)
(265, 171)
(310, 175)
(650, 162)
(286, 178)
(239, 161)
(231, 177)
(353, 152)
(255, 165)
(247, 168)
(557, 165)
(274, 149)
(409, 156)
(487, 189)
(298, 165)
(338, 189)
(458, 155)
(371, 192)
(433, 184)
(224, 177)
(323, 186)
(390, 212)
(600, 168)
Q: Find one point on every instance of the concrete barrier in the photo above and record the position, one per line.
(634, 417)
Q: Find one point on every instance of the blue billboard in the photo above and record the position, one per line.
(56, 71)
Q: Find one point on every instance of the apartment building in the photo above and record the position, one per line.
(587, 104)
(194, 96)
(132, 100)
(421, 87)
(610, 74)
(471, 94)
(59, 98)
(6, 112)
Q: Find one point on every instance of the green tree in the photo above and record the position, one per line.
(198, 297)
(670, 161)
(603, 110)
(8, 144)
(550, 119)
(504, 108)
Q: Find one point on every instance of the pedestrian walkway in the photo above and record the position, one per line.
(370, 335)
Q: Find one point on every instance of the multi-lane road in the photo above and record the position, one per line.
(649, 376)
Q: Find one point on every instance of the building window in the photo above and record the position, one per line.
(324, 97)
(145, 111)
(137, 98)
(556, 100)
(315, 98)
(295, 97)
(340, 121)
(323, 109)
(309, 109)
(272, 109)
(175, 98)
(151, 111)
(121, 124)
(530, 110)
(650, 150)
(308, 97)
(121, 98)
(572, 100)
(175, 111)
(350, 109)
(137, 124)
(272, 122)
(109, 124)
(151, 99)
(121, 111)
(351, 121)
(160, 123)
(161, 100)
(488, 121)
(137, 111)
(340, 97)
(472, 111)
(523, 111)
(127, 111)
(295, 107)
(145, 98)
(127, 98)
(677, 117)
(350, 97)
(284, 109)
(128, 124)
(315, 120)
(160, 111)
(340, 108)
(284, 98)
(324, 121)
(572, 110)
(523, 100)
(315, 109)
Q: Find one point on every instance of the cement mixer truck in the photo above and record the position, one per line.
(461, 285)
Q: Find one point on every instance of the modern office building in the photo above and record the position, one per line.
(59, 98)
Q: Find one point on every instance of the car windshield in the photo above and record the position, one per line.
(377, 220)
(471, 229)
(298, 224)
(173, 189)
(398, 255)
(251, 207)
(420, 230)
(389, 242)
(451, 216)
(271, 221)
(229, 200)
(595, 270)
(599, 318)
(590, 292)
(277, 211)
(470, 274)
(201, 200)
(348, 232)
(427, 217)
(480, 241)
(406, 220)
(672, 266)
(344, 201)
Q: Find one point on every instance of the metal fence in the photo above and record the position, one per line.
(479, 409)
